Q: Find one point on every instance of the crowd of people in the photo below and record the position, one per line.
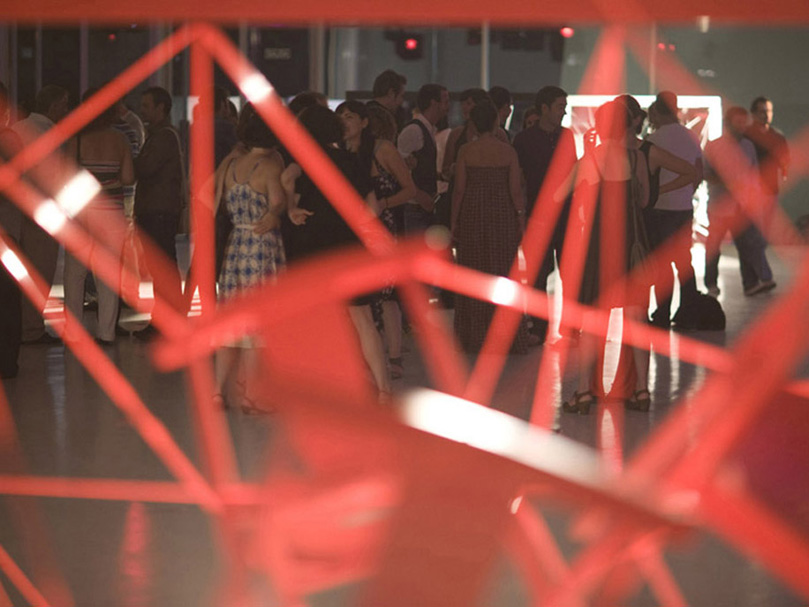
(625, 198)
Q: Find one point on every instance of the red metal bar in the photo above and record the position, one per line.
(202, 186)
(120, 391)
(20, 581)
(371, 13)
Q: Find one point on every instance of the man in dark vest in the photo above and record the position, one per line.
(417, 146)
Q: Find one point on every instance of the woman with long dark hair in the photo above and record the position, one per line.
(254, 200)
(393, 186)
(325, 230)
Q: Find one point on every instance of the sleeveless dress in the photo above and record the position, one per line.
(608, 259)
(488, 235)
(250, 258)
(385, 185)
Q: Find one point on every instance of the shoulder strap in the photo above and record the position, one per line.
(253, 170)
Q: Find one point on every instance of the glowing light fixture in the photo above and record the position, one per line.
(256, 88)
(13, 264)
(77, 193)
(50, 217)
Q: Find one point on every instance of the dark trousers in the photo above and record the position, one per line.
(665, 225)
(416, 219)
(749, 243)
(554, 252)
(161, 257)
(10, 323)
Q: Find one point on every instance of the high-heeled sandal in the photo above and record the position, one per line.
(639, 401)
(581, 403)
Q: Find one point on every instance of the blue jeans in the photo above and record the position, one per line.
(750, 244)
(416, 219)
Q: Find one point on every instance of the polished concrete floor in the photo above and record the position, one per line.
(111, 553)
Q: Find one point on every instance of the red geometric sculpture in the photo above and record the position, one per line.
(433, 490)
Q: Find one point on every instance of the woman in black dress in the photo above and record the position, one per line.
(488, 213)
(612, 180)
(325, 230)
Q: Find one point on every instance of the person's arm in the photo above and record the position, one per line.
(515, 187)
(686, 172)
(410, 141)
(459, 188)
(270, 174)
(127, 167)
(390, 159)
(783, 158)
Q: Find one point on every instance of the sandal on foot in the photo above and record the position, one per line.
(581, 403)
(639, 401)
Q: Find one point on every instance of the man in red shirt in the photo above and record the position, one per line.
(772, 152)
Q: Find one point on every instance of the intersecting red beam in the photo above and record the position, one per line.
(21, 581)
(371, 12)
(112, 381)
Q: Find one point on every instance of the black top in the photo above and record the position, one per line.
(325, 229)
(425, 175)
(535, 149)
(160, 172)
(654, 178)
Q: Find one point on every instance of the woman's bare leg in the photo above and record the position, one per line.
(371, 343)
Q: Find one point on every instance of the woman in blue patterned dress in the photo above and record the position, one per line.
(250, 186)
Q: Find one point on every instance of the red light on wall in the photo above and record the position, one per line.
(567, 32)
(411, 44)
(112, 37)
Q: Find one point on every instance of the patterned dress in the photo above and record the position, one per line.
(488, 235)
(250, 258)
(385, 185)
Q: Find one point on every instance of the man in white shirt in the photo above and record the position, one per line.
(673, 213)
(417, 146)
(50, 106)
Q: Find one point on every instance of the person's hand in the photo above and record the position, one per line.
(298, 216)
(425, 201)
(268, 221)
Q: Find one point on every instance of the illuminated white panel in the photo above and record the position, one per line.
(50, 217)
(504, 292)
(78, 192)
(256, 88)
(13, 264)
